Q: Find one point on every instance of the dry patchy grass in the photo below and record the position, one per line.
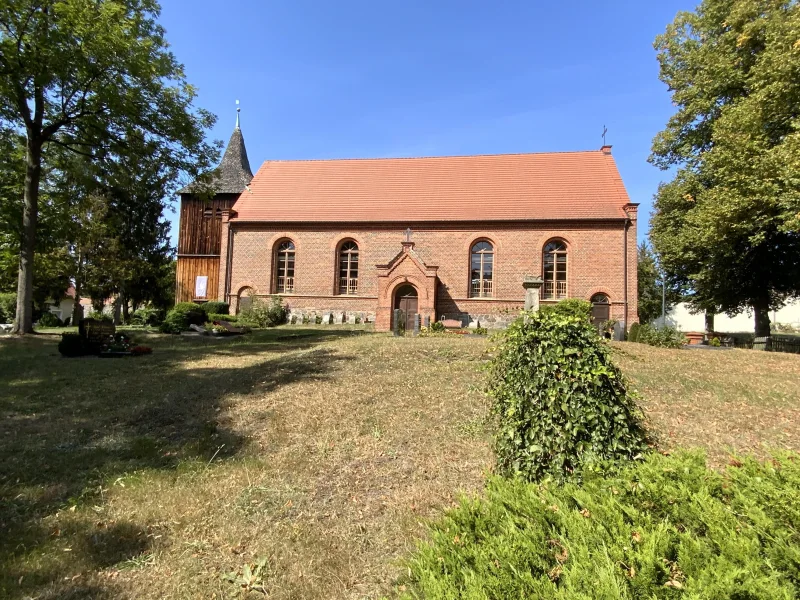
(321, 451)
(726, 401)
(322, 455)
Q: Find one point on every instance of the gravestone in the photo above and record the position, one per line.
(95, 333)
(396, 321)
(417, 319)
(427, 321)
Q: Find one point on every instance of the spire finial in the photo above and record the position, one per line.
(238, 110)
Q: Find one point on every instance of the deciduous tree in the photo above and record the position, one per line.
(83, 74)
(726, 228)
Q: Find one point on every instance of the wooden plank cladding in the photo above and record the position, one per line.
(189, 268)
(201, 224)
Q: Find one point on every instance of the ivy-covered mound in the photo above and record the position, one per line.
(559, 401)
(662, 528)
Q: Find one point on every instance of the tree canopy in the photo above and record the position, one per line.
(726, 226)
(89, 76)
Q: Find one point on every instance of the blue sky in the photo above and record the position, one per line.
(377, 79)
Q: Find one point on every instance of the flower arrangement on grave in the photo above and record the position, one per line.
(117, 343)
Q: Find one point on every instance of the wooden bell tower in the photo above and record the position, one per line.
(200, 229)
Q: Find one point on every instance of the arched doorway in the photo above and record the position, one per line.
(601, 309)
(245, 300)
(407, 300)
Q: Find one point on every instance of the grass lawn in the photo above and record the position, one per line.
(321, 451)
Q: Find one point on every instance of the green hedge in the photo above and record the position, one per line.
(216, 308)
(182, 315)
(665, 528)
(223, 317)
(8, 307)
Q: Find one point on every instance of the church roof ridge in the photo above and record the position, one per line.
(442, 156)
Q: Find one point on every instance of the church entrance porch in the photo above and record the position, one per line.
(406, 301)
(407, 283)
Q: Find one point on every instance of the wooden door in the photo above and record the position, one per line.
(408, 304)
(406, 301)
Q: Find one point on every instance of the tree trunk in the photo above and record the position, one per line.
(33, 174)
(126, 316)
(761, 312)
(77, 309)
(115, 311)
(709, 323)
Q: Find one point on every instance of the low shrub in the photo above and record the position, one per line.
(663, 337)
(72, 344)
(559, 401)
(181, 316)
(633, 334)
(571, 307)
(99, 316)
(8, 307)
(174, 322)
(663, 528)
(223, 317)
(147, 316)
(214, 307)
(437, 327)
(48, 319)
(481, 331)
(195, 313)
(715, 342)
(266, 313)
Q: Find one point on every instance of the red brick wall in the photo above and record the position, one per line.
(595, 263)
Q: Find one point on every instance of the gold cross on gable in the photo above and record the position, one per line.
(408, 234)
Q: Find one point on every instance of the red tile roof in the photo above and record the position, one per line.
(564, 185)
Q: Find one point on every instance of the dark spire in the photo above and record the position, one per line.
(233, 173)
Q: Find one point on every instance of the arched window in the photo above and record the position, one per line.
(555, 270)
(245, 301)
(481, 270)
(601, 309)
(284, 268)
(348, 268)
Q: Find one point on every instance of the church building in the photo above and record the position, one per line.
(464, 238)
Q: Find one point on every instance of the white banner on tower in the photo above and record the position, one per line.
(201, 286)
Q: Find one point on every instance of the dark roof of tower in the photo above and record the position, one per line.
(233, 173)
